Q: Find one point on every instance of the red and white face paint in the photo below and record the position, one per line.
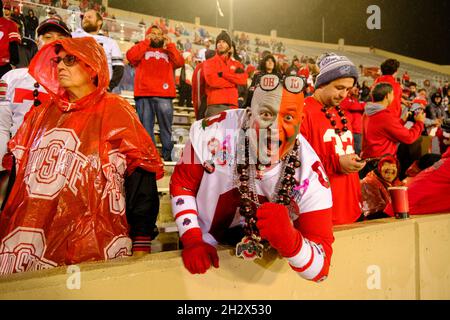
(275, 122)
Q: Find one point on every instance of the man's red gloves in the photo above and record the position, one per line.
(197, 254)
(275, 226)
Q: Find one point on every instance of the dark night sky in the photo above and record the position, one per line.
(418, 29)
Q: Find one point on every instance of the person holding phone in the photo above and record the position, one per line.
(155, 60)
(382, 130)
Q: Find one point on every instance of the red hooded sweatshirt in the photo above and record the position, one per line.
(396, 105)
(222, 88)
(383, 131)
(154, 69)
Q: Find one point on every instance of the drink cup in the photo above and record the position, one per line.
(399, 197)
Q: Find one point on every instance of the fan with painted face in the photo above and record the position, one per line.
(276, 115)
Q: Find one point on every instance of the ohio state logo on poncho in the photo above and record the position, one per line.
(54, 163)
(23, 250)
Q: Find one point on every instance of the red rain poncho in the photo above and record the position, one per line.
(68, 202)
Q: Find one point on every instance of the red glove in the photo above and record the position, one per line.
(275, 226)
(197, 254)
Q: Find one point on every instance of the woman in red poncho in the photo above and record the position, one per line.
(86, 169)
(374, 188)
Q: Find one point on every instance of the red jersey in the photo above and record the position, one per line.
(8, 33)
(154, 69)
(345, 188)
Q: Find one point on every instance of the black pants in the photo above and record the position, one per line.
(185, 95)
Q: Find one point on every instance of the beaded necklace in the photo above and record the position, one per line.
(330, 116)
(36, 102)
(252, 245)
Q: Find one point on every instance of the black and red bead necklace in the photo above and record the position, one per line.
(333, 122)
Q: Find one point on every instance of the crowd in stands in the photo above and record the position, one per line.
(366, 137)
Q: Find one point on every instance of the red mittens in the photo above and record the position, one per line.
(275, 226)
(197, 254)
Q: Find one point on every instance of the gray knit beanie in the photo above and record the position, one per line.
(334, 67)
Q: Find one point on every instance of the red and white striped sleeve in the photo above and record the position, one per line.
(13, 33)
(312, 261)
(184, 184)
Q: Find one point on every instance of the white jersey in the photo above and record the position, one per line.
(113, 54)
(217, 199)
(17, 102)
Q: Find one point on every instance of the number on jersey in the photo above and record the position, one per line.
(342, 144)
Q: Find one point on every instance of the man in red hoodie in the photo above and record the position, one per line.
(389, 70)
(223, 74)
(382, 130)
(155, 60)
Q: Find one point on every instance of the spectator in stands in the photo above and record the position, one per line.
(22, 90)
(9, 43)
(31, 24)
(365, 92)
(330, 134)
(435, 110)
(91, 25)
(188, 45)
(185, 81)
(383, 131)
(429, 87)
(355, 110)
(6, 10)
(267, 65)
(412, 90)
(210, 208)
(428, 192)
(103, 182)
(389, 70)
(295, 67)
(374, 188)
(18, 16)
(199, 98)
(155, 60)
(425, 161)
(445, 90)
(27, 47)
(223, 74)
(201, 52)
(405, 78)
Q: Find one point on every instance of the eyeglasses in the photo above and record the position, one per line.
(293, 84)
(69, 60)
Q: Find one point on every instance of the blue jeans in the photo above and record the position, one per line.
(146, 108)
